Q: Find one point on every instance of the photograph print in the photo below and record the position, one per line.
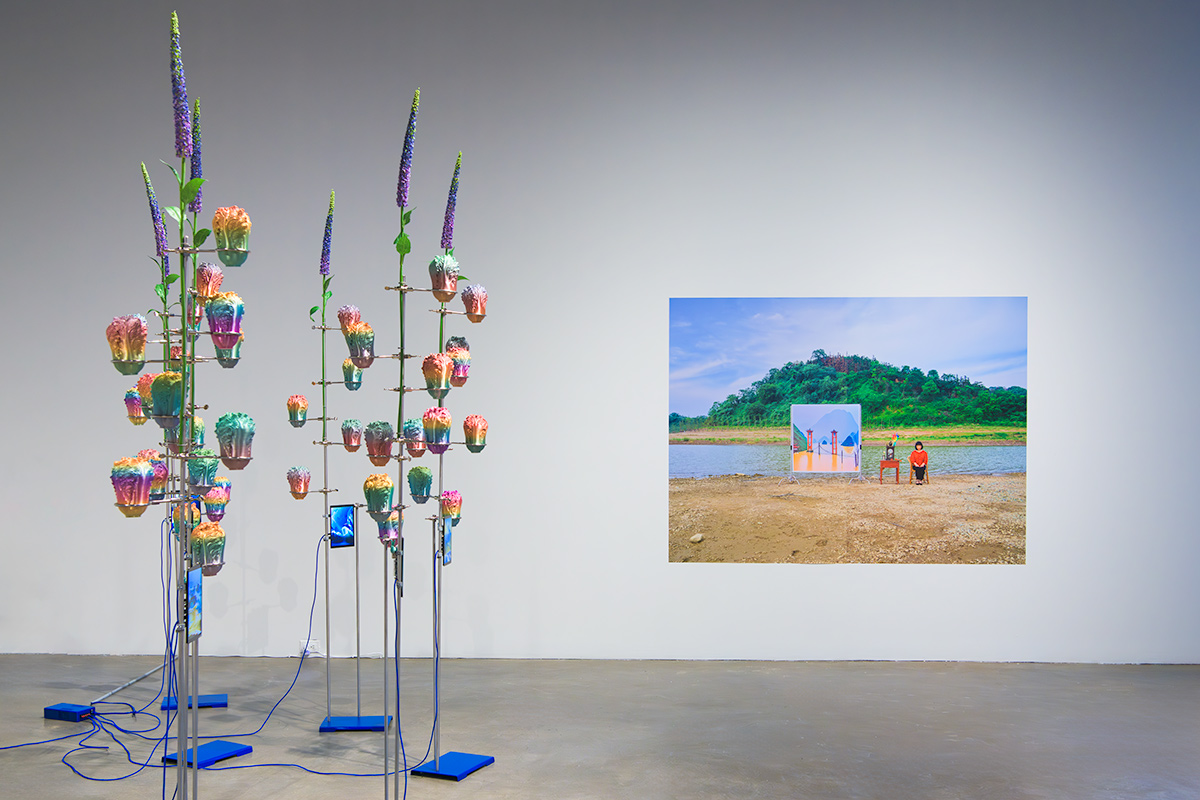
(847, 430)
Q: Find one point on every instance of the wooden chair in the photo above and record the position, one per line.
(911, 472)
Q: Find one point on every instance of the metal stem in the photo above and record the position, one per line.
(325, 523)
(357, 626)
(386, 703)
(328, 680)
(399, 530)
(194, 707)
(396, 599)
(183, 684)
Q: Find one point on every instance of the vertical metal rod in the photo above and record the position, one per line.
(195, 712)
(396, 655)
(325, 522)
(386, 703)
(181, 670)
(438, 544)
(357, 624)
(400, 528)
(439, 527)
(184, 439)
(187, 432)
(181, 688)
(328, 679)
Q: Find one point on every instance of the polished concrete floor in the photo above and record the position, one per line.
(648, 729)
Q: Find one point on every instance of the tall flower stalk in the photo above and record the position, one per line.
(406, 155)
(196, 206)
(402, 242)
(160, 252)
(326, 279)
(327, 242)
(451, 201)
(183, 123)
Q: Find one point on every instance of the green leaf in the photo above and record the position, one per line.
(407, 216)
(328, 295)
(403, 245)
(326, 282)
(172, 278)
(201, 236)
(174, 171)
(312, 311)
(172, 212)
(161, 290)
(188, 193)
(462, 277)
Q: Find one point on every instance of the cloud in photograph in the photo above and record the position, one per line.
(719, 346)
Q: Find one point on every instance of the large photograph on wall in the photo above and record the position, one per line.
(847, 430)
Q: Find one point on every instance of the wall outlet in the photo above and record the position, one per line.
(310, 647)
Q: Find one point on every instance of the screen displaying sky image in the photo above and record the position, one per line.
(720, 345)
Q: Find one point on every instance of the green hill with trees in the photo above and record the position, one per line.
(890, 396)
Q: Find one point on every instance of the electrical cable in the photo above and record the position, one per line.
(102, 722)
(48, 741)
(311, 611)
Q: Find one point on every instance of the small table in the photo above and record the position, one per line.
(885, 464)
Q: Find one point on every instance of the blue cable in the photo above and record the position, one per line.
(101, 721)
(139, 734)
(46, 741)
(312, 610)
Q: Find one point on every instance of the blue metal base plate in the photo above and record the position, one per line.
(453, 766)
(335, 724)
(206, 701)
(212, 752)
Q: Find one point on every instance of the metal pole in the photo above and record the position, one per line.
(400, 528)
(438, 547)
(326, 526)
(181, 674)
(397, 564)
(328, 680)
(181, 644)
(195, 712)
(386, 703)
(357, 626)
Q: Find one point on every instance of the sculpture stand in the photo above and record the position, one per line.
(453, 765)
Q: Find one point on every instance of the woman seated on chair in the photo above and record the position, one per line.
(918, 459)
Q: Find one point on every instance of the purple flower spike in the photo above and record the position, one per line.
(160, 230)
(197, 170)
(325, 246)
(406, 157)
(183, 122)
(448, 224)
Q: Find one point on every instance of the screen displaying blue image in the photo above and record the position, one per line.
(341, 526)
(195, 586)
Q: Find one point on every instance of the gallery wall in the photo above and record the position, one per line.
(614, 155)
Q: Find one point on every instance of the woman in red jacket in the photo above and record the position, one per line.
(919, 460)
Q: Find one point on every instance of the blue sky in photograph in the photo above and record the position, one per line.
(719, 345)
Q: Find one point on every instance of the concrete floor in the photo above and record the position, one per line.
(653, 729)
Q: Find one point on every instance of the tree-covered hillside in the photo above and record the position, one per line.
(890, 396)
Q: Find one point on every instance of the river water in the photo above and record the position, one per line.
(702, 460)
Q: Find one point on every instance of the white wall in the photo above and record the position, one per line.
(614, 157)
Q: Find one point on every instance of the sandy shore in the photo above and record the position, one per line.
(956, 519)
